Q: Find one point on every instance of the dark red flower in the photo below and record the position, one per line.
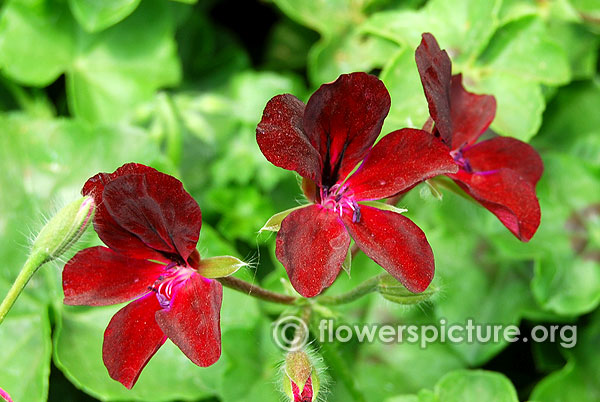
(324, 141)
(151, 226)
(500, 173)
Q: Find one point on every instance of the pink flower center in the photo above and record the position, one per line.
(339, 197)
(461, 161)
(168, 282)
(307, 393)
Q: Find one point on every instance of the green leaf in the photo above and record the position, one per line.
(463, 27)
(78, 353)
(36, 40)
(26, 350)
(590, 8)
(520, 104)
(579, 379)
(324, 16)
(107, 73)
(95, 15)
(522, 48)
(409, 106)
(475, 385)
(352, 51)
(124, 65)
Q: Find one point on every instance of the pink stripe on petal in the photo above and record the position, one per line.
(131, 339)
(193, 320)
(505, 152)
(397, 244)
(312, 245)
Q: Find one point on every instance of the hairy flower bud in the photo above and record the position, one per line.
(391, 289)
(301, 382)
(64, 229)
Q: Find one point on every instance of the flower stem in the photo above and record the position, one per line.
(368, 286)
(256, 291)
(32, 264)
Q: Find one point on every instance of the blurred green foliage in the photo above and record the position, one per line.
(88, 85)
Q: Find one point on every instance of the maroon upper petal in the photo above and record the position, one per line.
(131, 339)
(397, 162)
(155, 208)
(99, 276)
(192, 321)
(343, 119)
(435, 70)
(506, 152)
(312, 245)
(282, 140)
(471, 114)
(508, 195)
(396, 243)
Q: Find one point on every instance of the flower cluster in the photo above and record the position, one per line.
(151, 225)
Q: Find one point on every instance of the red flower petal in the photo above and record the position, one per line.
(312, 245)
(108, 230)
(471, 114)
(507, 195)
(95, 185)
(155, 208)
(192, 321)
(98, 276)
(282, 140)
(131, 339)
(342, 121)
(506, 152)
(398, 161)
(435, 70)
(396, 243)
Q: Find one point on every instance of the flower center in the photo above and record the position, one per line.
(338, 197)
(461, 161)
(168, 282)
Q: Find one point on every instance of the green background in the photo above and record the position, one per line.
(88, 85)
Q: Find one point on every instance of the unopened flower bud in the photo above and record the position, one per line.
(4, 395)
(301, 381)
(391, 289)
(64, 229)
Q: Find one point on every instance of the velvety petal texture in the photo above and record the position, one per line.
(151, 226)
(471, 114)
(193, 320)
(99, 276)
(435, 70)
(506, 153)
(397, 244)
(280, 136)
(131, 339)
(507, 195)
(343, 119)
(155, 208)
(312, 245)
(397, 162)
(500, 173)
